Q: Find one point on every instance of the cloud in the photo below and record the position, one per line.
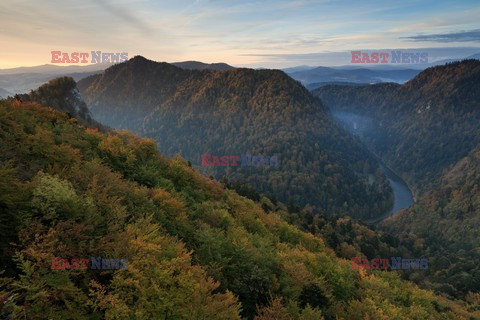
(343, 58)
(462, 36)
(125, 15)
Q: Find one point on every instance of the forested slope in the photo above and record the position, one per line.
(195, 250)
(420, 128)
(428, 131)
(244, 111)
(445, 224)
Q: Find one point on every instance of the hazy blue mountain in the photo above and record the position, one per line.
(297, 69)
(24, 82)
(315, 85)
(55, 69)
(321, 75)
(24, 79)
(197, 65)
(4, 93)
(315, 77)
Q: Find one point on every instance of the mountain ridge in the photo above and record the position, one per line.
(240, 111)
(197, 65)
(419, 118)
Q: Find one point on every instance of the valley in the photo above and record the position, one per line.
(239, 160)
(244, 111)
(361, 126)
(403, 197)
(427, 131)
(412, 127)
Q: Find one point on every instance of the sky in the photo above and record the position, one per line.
(268, 33)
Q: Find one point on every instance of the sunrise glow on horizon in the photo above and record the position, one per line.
(272, 34)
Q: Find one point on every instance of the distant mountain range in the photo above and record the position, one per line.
(243, 111)
(196, 65)
(52, 69)
(4, 93)
(24, 79)
(315, 77)
(24, 82)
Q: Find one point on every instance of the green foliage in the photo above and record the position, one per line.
(445, 224)
(195, 250)
(12, 212)
(314, 296)
(54, 200)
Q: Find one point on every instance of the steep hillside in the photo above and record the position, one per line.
(422, 127)
(62, 94)
(445, 224)
(243, 111)
(195, 250)
(428, 131)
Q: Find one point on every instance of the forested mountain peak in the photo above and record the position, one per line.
(140, 62)
(235, 77)
(244, 111)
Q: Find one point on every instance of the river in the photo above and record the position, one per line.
(359, 126)
(403, 197)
